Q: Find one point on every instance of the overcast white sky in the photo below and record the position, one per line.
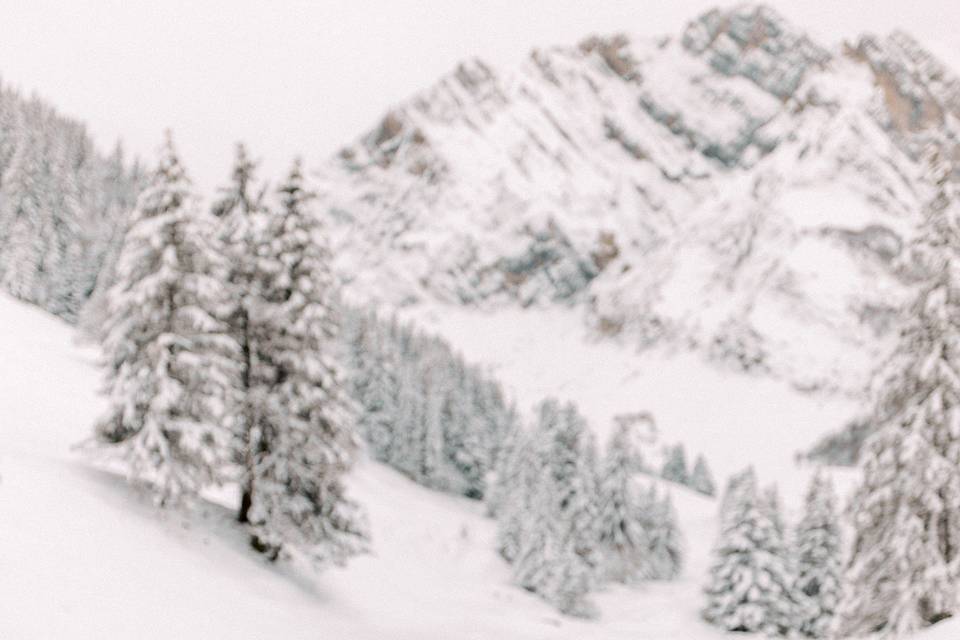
(293, 77)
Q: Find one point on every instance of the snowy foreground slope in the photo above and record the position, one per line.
(85, 556)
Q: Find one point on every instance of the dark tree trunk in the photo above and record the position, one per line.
(246, 500)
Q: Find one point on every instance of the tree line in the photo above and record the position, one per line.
(60, 203)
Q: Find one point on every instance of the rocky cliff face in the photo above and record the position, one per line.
(738, 189)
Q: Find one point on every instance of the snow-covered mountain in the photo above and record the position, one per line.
(737, 189)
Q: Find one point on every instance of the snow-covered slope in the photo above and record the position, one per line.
(732, 418)
(84, 556)
(737, 190)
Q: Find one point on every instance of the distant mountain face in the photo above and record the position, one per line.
(738, 189)
(61, 205)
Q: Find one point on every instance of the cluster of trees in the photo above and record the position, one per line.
(905, 567)
(220, 337)
(59, 205)
(568, 521)
(763, 581)
(675, 470)
(424, 410)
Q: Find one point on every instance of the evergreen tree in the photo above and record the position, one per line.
(675, 465)
(373, 381)
(572, 462)
(744, 480)
(624, 540)
(665, 547)
(504, 478)
(558, 547)
(547, 561)
(513, 496)
(906, 511)
(305, 440)
(170, 360)
(701, 480)
(750, 586)
(243, 231)
(770, 500)
(818, 552)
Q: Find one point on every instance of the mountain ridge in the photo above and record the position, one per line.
(741, 163)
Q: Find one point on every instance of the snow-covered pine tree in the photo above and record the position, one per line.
(570, 583)
(770, 498)
(409, 441)
(242, 232)
(373, 371)
(737, 482)
(572, 461)
(624, 541)
(417, 445)
(675, 465)
(242, 195)
(903, 571)
(818, 554)
(169, 357)
(665, 546)
(558, 551)
(701, 480)
(501, 481)
(513, 494)
(306, 440)
(546, 560)
(750, 587)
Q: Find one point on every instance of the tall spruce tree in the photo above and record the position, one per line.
(242, 230)
(750, 586)
(665, 545)
(906, 512)
(624, 540)
(572, 461)
(701, 480)
(819, 562)
(170, 359)
(675, 465)
(504, 480)
(305, 442)
(744, 480)
(513, 493)
(558, 541)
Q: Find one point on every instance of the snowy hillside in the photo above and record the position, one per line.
(86, 556)
(736, 190)
(709, 233)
